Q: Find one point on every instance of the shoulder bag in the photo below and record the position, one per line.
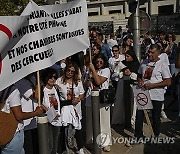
(8, 125)
(107, 96)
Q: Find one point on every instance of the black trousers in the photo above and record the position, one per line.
(156, 122)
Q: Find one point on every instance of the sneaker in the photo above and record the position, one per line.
(107, 149)
(163, 115)
(81, 151)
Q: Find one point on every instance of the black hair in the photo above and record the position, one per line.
(102, 56)
(155, 46)
(47, 74)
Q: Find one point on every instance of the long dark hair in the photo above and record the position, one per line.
(102, 56)
(76, 77)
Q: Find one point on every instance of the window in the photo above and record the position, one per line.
(114, 11)
(165, 10)
(143, 9)
(93, 13)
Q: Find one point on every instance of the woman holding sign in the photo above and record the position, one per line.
(99, 79)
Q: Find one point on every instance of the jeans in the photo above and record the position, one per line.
(16, 144)
(54, 132)
(156, 112)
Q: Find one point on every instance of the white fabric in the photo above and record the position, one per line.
(68, 116)
(133, 76)
(104, 125)
(112, 62)
(111, 43)
(164, 58)
(29, 105)
(161, 71)
(104, 110)
(105, 85)
(77, 90)
(51, 33)
(46, 102)
(12, 101)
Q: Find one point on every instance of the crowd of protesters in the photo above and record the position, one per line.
(68, 84)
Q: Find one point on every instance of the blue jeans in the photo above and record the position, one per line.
(16, 144)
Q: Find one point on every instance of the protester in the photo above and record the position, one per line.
(11, 97)
(28, 91)
(96, 49)
(104, 47)
(114, 61)
(52, 104)
(171, 50)
(100, 79)
(127, 72)
(154, 75)
(112, 41)
(127, 43)
(71, 93)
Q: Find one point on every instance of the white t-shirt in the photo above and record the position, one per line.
(113, 60)
(164, 58)
(12, 101)
(77, 90)
(161, 71)
(51, 96)
(29, 105)
(111, 43)
(105, 85)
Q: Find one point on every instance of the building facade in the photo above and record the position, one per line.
(110, 14)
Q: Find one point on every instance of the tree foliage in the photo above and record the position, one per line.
(15, 7)
(7, 7)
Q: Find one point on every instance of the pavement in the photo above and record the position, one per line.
(168, 129)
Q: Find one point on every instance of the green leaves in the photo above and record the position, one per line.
(15, 7)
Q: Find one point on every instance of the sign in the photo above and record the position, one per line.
(145, 22)
(142, 98)
(48, 34)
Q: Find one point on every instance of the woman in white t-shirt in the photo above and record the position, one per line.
(100, 79)
(52, 104)
(114, 61)
(71, 93)
(13, 104)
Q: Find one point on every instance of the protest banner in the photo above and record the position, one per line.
(49, 34)
(142, 98)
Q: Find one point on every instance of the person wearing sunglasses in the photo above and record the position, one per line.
(52, 104)
(100, 79)
(114, 61)
(71, 93)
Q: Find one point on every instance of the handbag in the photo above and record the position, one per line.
(8, 126)
(107, 96)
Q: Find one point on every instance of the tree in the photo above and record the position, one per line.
(15, 7)
(7, 8)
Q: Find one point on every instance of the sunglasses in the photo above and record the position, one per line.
(99, 61)
(115, 50)
(70, 71)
